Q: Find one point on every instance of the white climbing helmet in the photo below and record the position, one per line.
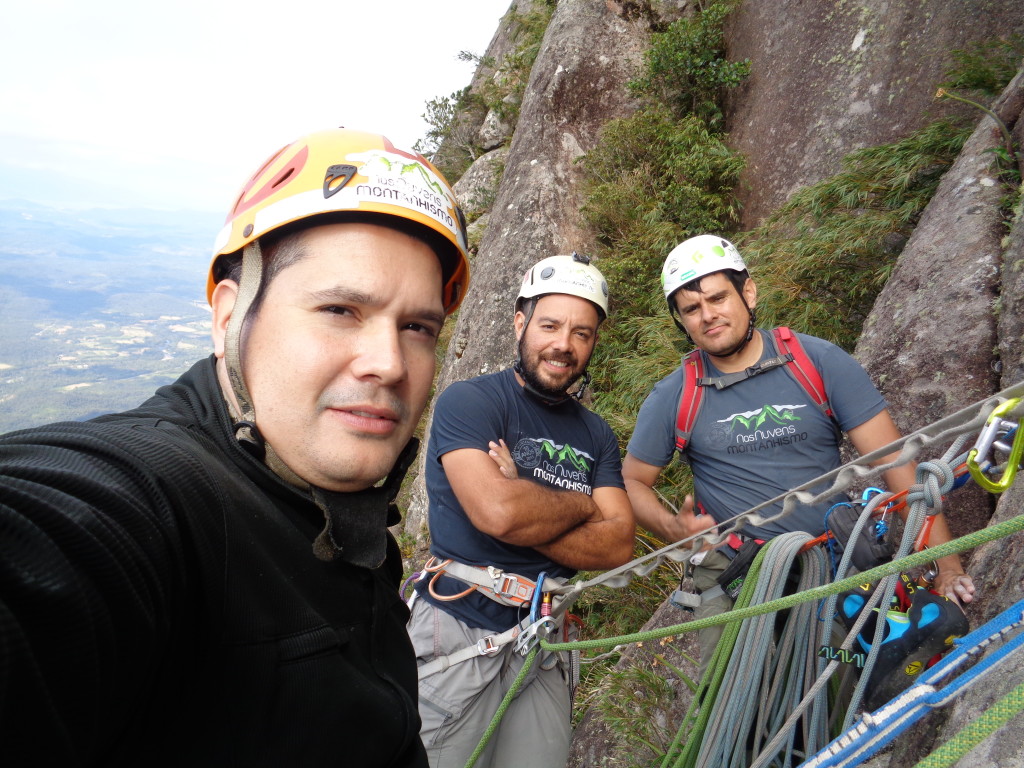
(695, 258)
(573, 275)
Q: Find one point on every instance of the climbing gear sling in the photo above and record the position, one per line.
(509, 589)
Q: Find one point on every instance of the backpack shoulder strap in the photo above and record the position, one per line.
(691, 398)
(802, 369)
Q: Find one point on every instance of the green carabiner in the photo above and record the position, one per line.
(984, 445)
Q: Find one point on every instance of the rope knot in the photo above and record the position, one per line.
(934, 478)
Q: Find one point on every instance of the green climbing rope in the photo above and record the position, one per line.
(689, 736)
(968, 737)
(512, 691)
(954, 546)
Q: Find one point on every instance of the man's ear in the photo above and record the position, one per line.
(223, 303)
(750, 293)
(519, 323)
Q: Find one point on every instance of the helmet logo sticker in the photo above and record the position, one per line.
(406, 182)
(336, 177)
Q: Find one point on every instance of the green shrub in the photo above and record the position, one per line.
(985, 68)
(686, 68)
(651, 182)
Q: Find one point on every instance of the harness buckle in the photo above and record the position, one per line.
(511, 587)
(486, 646)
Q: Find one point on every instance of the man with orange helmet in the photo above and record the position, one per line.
(208, 579)
(525, 487)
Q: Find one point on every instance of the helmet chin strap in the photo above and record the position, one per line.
(248, 287)
(246, 431)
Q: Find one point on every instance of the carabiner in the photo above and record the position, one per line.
(537, 594)
(979, 454)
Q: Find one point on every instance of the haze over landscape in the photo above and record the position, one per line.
(126, 130)
(100, 307)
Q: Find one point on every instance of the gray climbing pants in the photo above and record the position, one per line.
(457, 705)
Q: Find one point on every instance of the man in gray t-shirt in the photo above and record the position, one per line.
(757, 437)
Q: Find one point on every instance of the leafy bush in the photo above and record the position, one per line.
(652, 181)
(686, 69)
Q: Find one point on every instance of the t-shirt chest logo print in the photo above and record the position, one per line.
(555, 464)
(770, 426)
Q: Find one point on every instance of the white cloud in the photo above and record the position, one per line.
(174, 104)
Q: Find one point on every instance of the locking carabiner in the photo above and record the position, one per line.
(978, 461)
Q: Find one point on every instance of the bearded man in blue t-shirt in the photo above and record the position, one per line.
(525, 486)
(737, 462)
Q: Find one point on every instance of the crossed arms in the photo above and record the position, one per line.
(576, 530)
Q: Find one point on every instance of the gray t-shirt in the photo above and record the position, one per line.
(760, 437)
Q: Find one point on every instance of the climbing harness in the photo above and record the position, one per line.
(730, 581)
(789, 352)
(508, 589)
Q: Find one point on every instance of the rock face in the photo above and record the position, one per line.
(577, 84)
(827, 78)
(929, 340)
(962, 231)
(478, 185)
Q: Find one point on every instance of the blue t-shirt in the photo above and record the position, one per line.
(760, 437)
(563, 446)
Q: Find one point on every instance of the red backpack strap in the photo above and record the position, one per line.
(802, 369)
(690, 399)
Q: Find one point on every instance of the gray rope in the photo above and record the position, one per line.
(762, 686)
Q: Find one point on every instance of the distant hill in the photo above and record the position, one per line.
(100, 307)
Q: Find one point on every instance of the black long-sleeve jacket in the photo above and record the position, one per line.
(160, 604)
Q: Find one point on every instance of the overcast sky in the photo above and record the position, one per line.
(174, 104)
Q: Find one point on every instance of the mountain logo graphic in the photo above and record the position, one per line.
(772, 414)
(529, 451)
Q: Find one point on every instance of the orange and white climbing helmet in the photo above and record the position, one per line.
(341, 170)
(695, 258)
